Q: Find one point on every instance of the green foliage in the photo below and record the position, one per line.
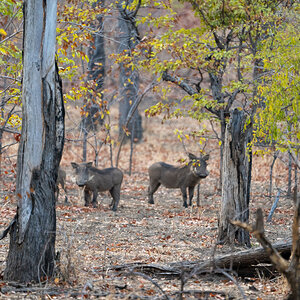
(10, 62)
(278, 119)
(242, 46)
(232, 13)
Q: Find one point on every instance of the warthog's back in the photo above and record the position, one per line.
(104, 179)
(167, 175)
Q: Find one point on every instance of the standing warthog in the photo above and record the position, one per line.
(94, 180)
(187, 176)
(61, 179)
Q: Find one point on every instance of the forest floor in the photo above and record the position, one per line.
(92, 241)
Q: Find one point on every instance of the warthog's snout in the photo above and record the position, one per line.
(203, 175)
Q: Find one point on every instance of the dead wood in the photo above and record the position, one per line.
(246, 263)
(198, 294)
(290, 269)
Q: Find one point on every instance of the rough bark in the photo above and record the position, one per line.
(236, 181)
(129, 78)
(32, 236)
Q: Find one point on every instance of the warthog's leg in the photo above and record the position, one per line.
(87, 197)
(191, 194)
(56, 193)
(64, 188)
(115, 193)
(151, 190)
(94, 201)
(184, 195)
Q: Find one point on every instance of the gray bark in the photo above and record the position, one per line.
(32, 235)
(236, 181)
(96, 73)
(129, 79)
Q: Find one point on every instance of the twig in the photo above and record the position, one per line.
(150, 279)
(234, 281)
(258, 231)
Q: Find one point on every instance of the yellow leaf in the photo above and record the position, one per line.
(56, 280)
(3, 32)
(3, 51)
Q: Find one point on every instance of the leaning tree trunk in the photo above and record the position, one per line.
(32, 234)
(129, 78)
(236, 181)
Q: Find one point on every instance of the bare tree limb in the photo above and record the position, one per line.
(258, 231)
(130, 115)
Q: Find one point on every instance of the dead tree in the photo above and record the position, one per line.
(236, 181)
(290, 269)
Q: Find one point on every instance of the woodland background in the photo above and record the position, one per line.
(92, 241)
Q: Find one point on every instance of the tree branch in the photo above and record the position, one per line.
(130, 115)
(258, 231)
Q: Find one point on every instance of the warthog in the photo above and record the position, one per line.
(61, 179)
(94, 180)
(183, 177)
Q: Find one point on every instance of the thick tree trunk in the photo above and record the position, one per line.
(32, 235)
(129, 79)
(236, 181)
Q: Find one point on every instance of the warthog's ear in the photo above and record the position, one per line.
(192, 156)
(89, 164)
(74, 165)
(205, 157)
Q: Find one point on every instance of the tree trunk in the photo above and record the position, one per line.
(236, 181)
(129, 78)
(96, 73)
(32, 235)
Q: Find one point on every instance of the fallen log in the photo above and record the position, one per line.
(247, 263)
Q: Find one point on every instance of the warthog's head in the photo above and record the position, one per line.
(199, 165)
(82, 172)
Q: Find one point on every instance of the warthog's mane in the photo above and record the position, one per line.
(172, 167)
(102, 172)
